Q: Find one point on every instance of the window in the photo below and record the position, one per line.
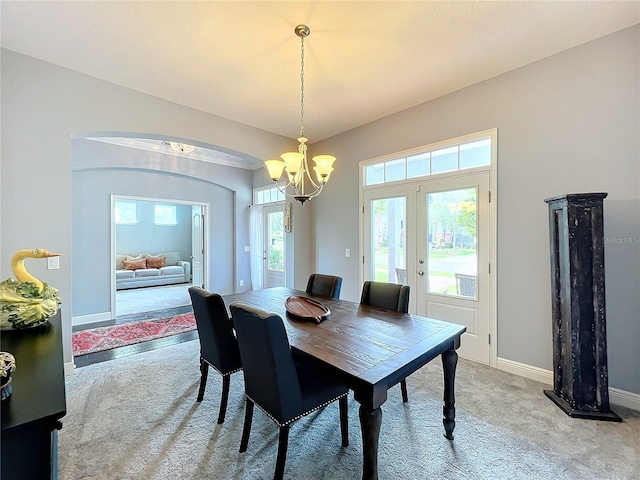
(458, 155)
(126, 213)
(267, 195)
(165, 215)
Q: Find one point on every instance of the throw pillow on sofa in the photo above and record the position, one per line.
(135, 264)
(172, 257)
(156, 262)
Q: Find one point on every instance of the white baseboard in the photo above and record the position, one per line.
(524, 370)
(69, 368)
(624, 398)
(616, 396)
(93, 318)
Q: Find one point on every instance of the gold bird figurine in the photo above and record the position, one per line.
(26, 301)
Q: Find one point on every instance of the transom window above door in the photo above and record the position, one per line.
(262, 196)
(431, 160)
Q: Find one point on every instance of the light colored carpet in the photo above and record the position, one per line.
(149, 299)
(136, 418)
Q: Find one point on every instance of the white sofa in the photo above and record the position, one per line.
(175, 271)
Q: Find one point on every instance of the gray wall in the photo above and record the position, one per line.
(568, 123)
(148, 238)
(43, 107)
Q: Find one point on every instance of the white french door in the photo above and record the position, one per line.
(453, 256)
(435, 236)
(389, 230)
(273, 247)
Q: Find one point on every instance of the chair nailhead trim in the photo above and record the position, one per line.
(298, 416)
(223, 374)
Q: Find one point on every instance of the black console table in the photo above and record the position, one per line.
(31, 415)
(580, 377)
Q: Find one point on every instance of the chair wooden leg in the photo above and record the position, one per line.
(248, 417)
(226, 381)
(204, 371)
(403, 386)
(283, 442)
(344, 422)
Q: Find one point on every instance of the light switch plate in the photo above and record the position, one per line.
(53, 263)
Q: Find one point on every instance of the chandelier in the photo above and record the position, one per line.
(299, 182)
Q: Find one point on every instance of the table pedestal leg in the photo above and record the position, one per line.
(370, 421)
(449, 362)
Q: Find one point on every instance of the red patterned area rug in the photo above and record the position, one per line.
(107, 338)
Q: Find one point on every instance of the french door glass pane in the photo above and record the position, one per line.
(388, 219)
(452, 235)
(276, 241)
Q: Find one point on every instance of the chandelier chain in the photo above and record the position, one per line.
(302, 86)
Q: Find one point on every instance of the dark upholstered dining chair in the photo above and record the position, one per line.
(389, 296)
(324, 285)
(218, 344)
(281, 382)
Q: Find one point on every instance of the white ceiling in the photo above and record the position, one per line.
(363, 60)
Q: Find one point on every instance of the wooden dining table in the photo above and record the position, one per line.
(369, 350)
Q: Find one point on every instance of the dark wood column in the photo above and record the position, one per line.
(580, 376)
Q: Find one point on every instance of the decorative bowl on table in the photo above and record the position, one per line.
(307, 309)
(7, 367)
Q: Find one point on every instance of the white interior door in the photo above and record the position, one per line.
(197, 245)
(453, 254)
(273, 247)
